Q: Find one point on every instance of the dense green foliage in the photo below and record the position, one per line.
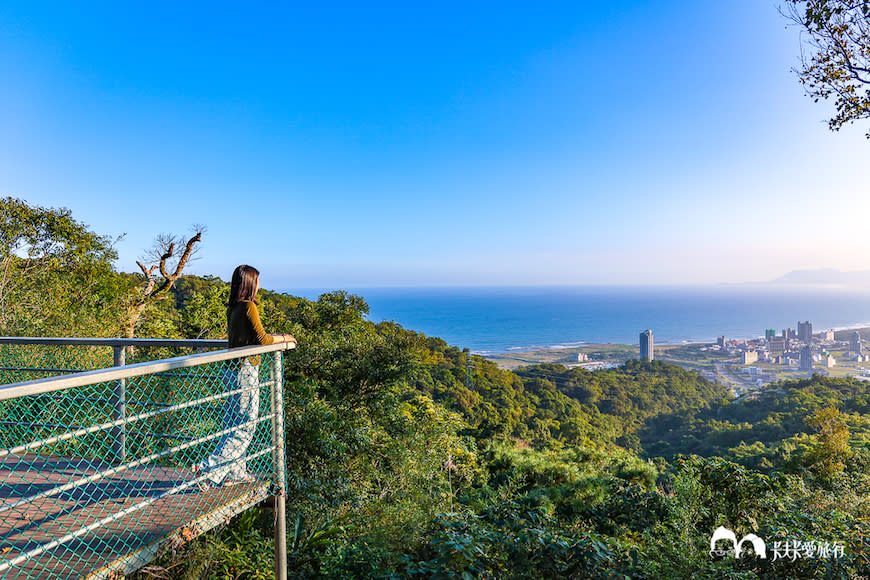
(54, 273)
(630, 395)
(551, 404)
(401, 466)
(770, 430)
(399, 469)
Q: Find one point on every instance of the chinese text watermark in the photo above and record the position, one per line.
(780, 550)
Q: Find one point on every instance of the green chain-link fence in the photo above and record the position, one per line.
(25, 359)
(101, 470)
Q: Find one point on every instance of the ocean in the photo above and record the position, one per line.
(501, 319)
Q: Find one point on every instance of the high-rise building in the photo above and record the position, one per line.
(646, 345)
(720, 341)
(805, 331)
(769, 333)
(855, 343)
(788, 333)
(776, 345)
(806, 359)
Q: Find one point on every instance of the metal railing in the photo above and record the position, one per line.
(24, 358)
(97, 467)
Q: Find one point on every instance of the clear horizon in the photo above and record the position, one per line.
(762, 285)
(499, 319)
(565, 143)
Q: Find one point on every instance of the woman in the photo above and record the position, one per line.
(227, 465)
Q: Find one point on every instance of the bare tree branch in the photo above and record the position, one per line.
(151, 291)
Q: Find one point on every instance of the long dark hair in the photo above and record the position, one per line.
(243, 285)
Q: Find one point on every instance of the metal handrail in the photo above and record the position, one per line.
(51, 384)
(118, 423)
(77, 341)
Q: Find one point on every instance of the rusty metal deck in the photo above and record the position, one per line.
(125, 544)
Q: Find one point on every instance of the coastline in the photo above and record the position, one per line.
(609, 353)
(575, 345)
(499, 322)
(615, 353)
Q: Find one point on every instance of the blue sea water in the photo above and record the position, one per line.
(501, 319)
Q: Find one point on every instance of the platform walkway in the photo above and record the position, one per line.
(94, 464)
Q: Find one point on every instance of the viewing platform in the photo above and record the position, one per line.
(96, 454)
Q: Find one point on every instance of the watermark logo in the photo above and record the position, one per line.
(723, 533)
(795, 549)
(787, 550)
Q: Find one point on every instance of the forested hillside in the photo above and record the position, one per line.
(401, 466)
(771, 430)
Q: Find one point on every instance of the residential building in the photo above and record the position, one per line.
(776, 345)
(805, 331)
(646, 345)
(806, 360)
(855, 343)
(748, 357)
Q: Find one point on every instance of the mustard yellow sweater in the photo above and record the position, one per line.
(244, 327)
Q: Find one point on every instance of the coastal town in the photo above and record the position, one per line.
(742, 364)
(787, 354)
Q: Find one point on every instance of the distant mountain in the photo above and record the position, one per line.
(826, 277)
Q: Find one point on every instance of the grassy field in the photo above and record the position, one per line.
(603, 353)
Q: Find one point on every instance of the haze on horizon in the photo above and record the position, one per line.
(502, 144)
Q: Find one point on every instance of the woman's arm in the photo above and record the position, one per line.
(262, 336)
(284, 338)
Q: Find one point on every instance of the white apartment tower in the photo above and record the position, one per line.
(646, 345)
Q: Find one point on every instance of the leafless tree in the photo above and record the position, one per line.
(166, 266)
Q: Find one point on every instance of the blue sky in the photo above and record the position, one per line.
(354, 145)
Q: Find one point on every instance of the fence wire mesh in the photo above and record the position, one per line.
(25, 361)
(98, 476)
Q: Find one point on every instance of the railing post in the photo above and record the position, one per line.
(119, 433)
(279, 461)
